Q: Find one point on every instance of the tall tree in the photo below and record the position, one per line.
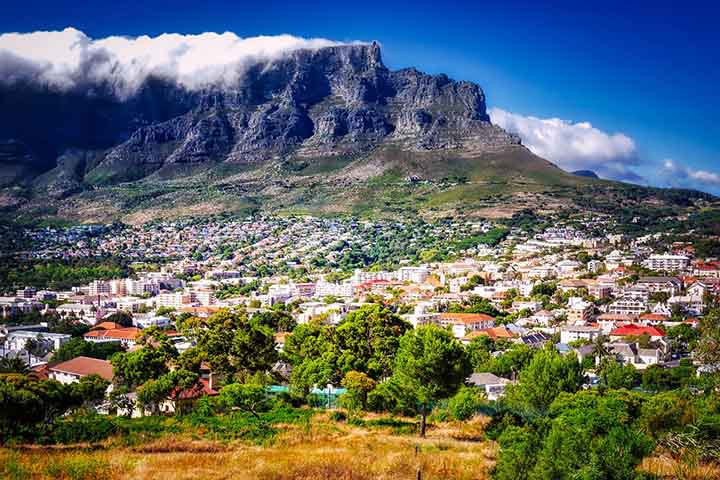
(368, 339)
(233, 343)
(548, 374)
(430, 365)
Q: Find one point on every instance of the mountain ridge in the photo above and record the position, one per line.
(332, 122)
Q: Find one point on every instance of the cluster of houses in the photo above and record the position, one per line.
(620, 290)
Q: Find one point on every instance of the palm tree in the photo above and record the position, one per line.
(600, 350)
(13, 365)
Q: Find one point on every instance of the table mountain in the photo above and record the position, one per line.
(331, 129)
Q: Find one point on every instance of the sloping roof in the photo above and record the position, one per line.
(107, 326)
(633, 329)
(84, 366)
(497, 332)
(481, 379)
(201, 389)
(129, 333)
(466, 318)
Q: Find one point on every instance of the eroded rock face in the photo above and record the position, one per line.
(312, 102)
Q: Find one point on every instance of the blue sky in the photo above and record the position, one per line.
(650, 71)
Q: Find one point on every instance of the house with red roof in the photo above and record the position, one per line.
(181, 401)
(464, 323)
(634, 330)
(126, 336)
(73, 370)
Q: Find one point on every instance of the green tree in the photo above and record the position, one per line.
(168, 386)
(134, 368)
(13, 365)
(78, 347)
(124, 319)
(547, 375)
(233, 343)
(251, 398)
(430, 365)
(465, 403)
(479, 351)
(358, 385)
(616, 375)
(311, 352)
(368, 339)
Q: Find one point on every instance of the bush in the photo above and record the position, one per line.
(465, 403)
(87, 427)
(338, 416)
(79, 469)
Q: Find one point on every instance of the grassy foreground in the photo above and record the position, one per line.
(320, 449)
(376, 448)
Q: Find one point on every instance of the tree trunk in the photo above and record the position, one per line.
(423, 416)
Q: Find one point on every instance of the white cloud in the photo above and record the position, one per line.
(67, 58)
(574, 146)
(677, 175)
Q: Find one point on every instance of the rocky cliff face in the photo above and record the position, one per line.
(313, 103)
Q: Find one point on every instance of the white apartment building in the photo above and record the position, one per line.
(324, 289)
(578, 332)
(174, 300)
(51, 341)
(413, 274)
(628, 305)
(579, 311)
(146, 321)
(667, 262)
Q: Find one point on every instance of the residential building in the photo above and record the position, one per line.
(73, 370)
(572, 333)
(667, 262)
(492, 385)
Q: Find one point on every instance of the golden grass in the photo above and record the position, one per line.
(324, 450)
(666, 467)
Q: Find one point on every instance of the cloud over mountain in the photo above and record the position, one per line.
(677, 175)
(574, 146)
(68, 58)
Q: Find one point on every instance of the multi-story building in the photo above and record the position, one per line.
(628, 305)
(669, 285)
(572, 333)
(413, 274)
(579, 311)
(667, 262)
(174, 300)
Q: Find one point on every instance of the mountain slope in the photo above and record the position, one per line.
(326, 130)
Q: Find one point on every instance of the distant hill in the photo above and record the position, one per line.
(585, 173)
(325, 131)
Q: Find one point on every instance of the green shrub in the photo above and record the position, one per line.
(465, 403)
(79, 469)
(83, 428)
(338, 416)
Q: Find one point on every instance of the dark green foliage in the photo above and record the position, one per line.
(546, 376)
(368, 339)
(77, 347)
(234, 343)
(430, 365)
(59, 275)
(465, 403)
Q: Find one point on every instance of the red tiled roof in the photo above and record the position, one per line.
(129, 333)
(466, 318)
(497, 332)
(107, 326)
(201, 389)
(84, 366)
(633, 329)
(654, 317)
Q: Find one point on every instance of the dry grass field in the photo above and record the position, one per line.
(323, 450)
